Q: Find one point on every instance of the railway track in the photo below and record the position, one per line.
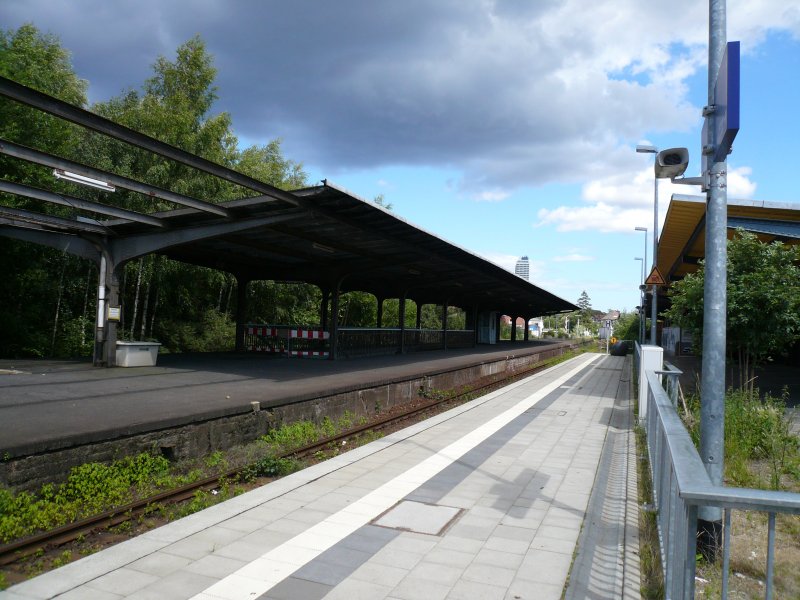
(20, 549)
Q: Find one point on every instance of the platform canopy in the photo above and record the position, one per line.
(322, 235)
(682, 242)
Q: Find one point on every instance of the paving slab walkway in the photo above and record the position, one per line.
(486, 501)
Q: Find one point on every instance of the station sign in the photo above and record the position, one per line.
(726, 107)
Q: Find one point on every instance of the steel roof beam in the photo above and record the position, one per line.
(64, 200)
(48, 160)
(90, 120)
(27, 216)
(131, 247)
(65, 242)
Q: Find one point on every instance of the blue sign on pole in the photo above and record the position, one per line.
(726, 101)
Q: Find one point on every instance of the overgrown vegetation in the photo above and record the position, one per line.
(94, 487)
(88, 490)
(760, 449)
(760, 452)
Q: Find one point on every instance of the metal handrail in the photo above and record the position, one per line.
(681, 485)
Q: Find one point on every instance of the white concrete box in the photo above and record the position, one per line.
(137, 354)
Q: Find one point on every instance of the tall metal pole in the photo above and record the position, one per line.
(654, 315)
(641, 301)
(712, 408)
(642, 293)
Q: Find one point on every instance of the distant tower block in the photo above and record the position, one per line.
(523, 268)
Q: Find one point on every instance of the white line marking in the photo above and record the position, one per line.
(259, 576)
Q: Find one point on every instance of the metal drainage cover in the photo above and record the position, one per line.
(418, 517)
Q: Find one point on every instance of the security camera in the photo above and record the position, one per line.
(671, 163)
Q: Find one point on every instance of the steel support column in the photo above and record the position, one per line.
(323, 308)
(444, 325)
(105, 340)
(379, 317)
(334, 336)
(241, 311)
(402, 318)
(112, 284)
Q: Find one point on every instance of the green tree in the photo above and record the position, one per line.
(38, 61)
(51, 295)
(627, 326)
(584, 303)
(46, 302)
(763, 316)
(175, 105)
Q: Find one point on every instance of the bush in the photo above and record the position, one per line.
(755, 430)
(216, 332)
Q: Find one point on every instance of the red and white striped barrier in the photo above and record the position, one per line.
(262, 331)
(309, 334)
(263, 338)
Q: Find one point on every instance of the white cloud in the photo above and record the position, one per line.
(505, 93)
(620, 202)
(491, 196)
(739, 183)
(600, 217)
(573, 257)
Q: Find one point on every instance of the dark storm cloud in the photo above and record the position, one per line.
(478, 86)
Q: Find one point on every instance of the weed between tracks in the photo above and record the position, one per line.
(94, 488)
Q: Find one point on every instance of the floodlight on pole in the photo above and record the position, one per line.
(83, 180)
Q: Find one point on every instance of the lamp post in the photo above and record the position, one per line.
(654, 313)
(641, 302)
(644, 295)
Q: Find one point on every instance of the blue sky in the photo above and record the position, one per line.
(506, 127)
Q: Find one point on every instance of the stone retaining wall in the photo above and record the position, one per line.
(203, 437)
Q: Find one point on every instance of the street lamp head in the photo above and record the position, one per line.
(641, 149)
(638, 258)
(641, 229)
